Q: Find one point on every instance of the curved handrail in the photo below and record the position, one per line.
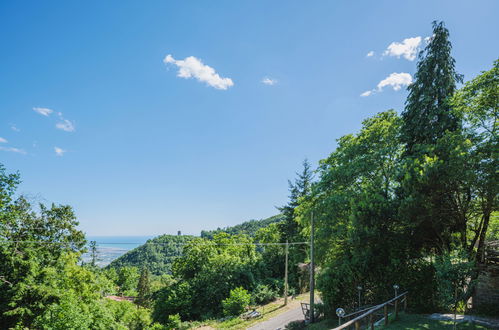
(369, 312)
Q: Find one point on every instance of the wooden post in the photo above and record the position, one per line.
(286, 275)
(405, 302)
(385, 311)
(357, 325)
(396, 308)
(371, 321)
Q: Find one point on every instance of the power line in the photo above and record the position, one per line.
(156, 243)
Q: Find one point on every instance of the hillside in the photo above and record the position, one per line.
(248, 227)
(157, 253)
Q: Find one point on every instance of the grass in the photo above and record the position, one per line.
(406, 322)
(416, 321)
(267, 311)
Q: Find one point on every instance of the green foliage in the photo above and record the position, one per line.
(206, 273)
(237, 302)
(156, 254)
(427, 115)
(173, 322)
(127, 280)
(248, 228)
(263, 294)
(144, 288)
(290, 229)
(452, 272)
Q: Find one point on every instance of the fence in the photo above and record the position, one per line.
(367, 316)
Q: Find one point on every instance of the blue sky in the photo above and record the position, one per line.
(144, 151)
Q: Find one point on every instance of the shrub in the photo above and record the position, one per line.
(237, 301)
(173, 322)
(451, 272)
(263, 294)
(295, 325)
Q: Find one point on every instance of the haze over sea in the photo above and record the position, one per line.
(112, 247)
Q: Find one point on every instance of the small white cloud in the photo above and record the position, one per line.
(59, 151)
(192, 67)
(370, 54)
(11, 149)
(65, 125)
(43, 111)
(269, 81)
(396, 81)
(408, 48)
(2, 140)
(14, 128)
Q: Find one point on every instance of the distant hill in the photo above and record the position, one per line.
(248, 227)
(157, 253)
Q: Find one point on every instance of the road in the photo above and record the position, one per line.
(280, 321)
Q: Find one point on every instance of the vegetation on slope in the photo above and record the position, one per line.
(247, 228)
(157, 254)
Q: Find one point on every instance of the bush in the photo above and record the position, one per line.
(296, 325)
(237, 301)
(173, 322)
(451, 272)
(263, 294)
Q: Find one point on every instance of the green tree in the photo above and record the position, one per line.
(427, 115)
(94, 253)
(290, 230)
(298, 189)
(477, 103)
(205, 274)
(434, 173)
(127, 280)
(32, 244)
(236, 303)
(358, 236)
(144, 288)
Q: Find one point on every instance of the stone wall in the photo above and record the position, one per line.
(486, 297)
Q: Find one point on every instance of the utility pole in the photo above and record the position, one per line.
(286, 275)
(312, 268)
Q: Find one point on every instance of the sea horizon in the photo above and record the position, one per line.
(110, 247)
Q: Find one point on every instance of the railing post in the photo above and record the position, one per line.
(396, 308)
(405, 302)
(357, 325)
(371, 321)
(385, 311)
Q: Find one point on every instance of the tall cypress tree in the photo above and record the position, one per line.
(430, 130)
(144, 288)
(427, 114)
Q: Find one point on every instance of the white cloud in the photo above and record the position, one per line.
(65, 125)
(59, 151)
(192, 67)
(396, 81)
(2, 140)
(43, 111)
(14, 128)
(371, 53)
(11, 149)
(269, 81)
(408, 48)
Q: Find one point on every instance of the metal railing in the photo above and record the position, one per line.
(368, 316)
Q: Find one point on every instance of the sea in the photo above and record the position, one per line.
(110, 248)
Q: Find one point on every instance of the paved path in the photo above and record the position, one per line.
(280, 321)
